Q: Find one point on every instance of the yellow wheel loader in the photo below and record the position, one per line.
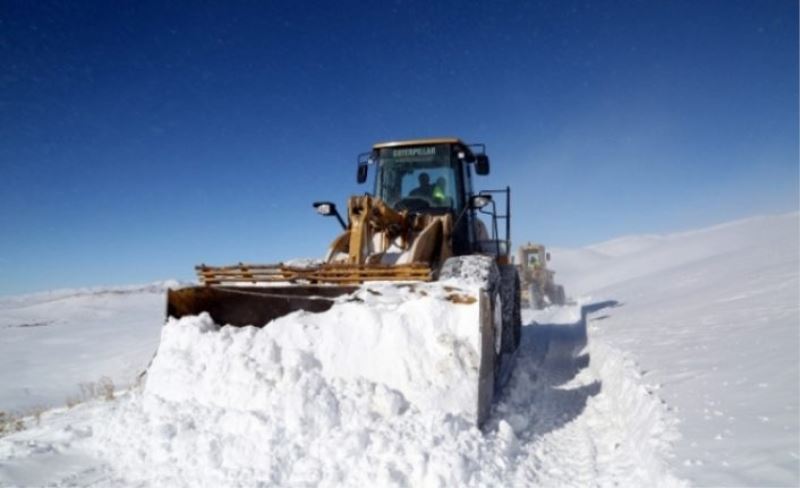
(538, 283)
(422, 222)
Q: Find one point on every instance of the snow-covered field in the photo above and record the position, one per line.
(52, 342)
(682, 368)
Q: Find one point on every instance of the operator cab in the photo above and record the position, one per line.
(434, 176)
(426, 176)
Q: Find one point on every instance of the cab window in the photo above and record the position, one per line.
(417, 178)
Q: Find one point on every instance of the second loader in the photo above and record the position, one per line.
(539, 288)
(422, 222)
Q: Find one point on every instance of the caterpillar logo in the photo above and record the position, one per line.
(410, 152)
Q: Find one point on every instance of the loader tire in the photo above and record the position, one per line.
(512, 317)
(498, 322)
(483, 272)
(471, 268)
(537, 301)
(560, 297)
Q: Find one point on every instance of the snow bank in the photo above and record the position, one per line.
(291, 402)
(249, 407)
(244, 407)
(568, 417)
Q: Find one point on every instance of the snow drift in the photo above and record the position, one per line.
(713, 316)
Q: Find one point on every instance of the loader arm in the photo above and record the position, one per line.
(369, 215)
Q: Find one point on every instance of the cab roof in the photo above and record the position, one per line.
(427, 142)
(419, 142)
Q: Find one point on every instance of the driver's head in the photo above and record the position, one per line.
(441, 182)
(424, 179)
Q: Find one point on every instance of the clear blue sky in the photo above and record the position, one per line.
(140, 138)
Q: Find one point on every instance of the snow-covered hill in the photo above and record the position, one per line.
(690, 372)
(712, 318)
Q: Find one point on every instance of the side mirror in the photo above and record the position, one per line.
(361, 176)
(547, 256)
(482, 164)
(325, 208)
(480, 201)
(328, 209)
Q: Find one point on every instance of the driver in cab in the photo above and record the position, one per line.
(425, 189)
(439, 195)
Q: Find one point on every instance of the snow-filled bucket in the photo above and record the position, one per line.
(433, 344)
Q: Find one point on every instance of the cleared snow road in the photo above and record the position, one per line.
(581, 414)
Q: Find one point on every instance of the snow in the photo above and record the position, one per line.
(713, 318)
(365, 336)
(676, 363)
(284, 422)
(55, 341)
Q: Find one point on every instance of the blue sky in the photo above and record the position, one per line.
(138, 139)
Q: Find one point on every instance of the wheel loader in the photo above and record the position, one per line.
(538, 284)
(421, 222)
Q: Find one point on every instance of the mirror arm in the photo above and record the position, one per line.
(470, 207)
(463, 211)
(493, 212)
(339, 218)
(333, 212)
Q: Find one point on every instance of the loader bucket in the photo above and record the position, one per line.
(251, 305)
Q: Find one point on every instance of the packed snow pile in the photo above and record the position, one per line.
(421, 340)
(294, 401)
